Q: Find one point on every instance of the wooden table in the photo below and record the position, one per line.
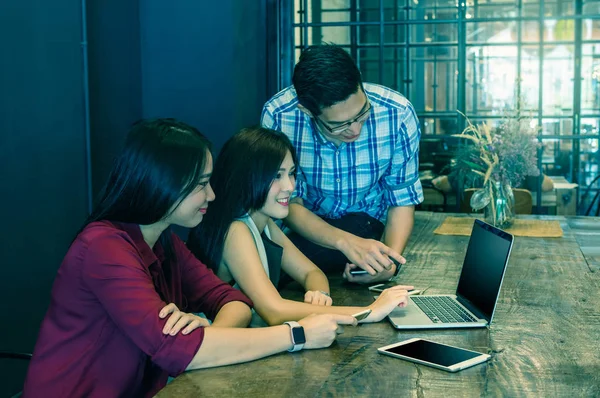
(544, 339)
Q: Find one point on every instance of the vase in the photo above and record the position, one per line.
(499, 212)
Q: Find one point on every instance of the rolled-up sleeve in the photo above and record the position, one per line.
(401, 180)
(114, 272)
(204, 291)
(267, 120)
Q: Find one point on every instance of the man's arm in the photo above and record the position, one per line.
(401, 182)
(399, 225)
(368, 254)
(313, 227)
(404, 191)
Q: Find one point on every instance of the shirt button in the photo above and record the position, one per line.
(338, 180)
(336, 153)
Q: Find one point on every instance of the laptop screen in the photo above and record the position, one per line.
(483, 269)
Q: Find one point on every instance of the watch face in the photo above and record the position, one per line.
(298, 333)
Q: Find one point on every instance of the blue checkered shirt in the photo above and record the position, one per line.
(378, 170)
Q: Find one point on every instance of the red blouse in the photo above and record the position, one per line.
(102, 336)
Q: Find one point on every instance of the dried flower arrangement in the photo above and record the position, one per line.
(496, 159)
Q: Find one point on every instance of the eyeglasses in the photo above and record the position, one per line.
(360, 118)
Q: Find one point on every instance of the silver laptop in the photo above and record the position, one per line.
(478, 288)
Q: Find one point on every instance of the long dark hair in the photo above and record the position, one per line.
(242, 176)
(161, 164)
(325, 75)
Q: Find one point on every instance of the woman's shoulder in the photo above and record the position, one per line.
(239, 237)
(238, 230)
(104, 243)
(109, 235)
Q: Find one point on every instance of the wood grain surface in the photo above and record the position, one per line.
(544, 339)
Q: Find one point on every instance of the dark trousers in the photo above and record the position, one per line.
(334, 261)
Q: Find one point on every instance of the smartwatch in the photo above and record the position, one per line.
(298, 338)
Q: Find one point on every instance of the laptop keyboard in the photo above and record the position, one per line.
(442, 309)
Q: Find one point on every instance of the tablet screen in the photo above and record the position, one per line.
(433, 352)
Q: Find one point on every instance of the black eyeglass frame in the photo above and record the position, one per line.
(360, 118)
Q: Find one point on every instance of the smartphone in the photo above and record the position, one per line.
(359, 271)
(398, 265)
(437, 355)
(362, 315)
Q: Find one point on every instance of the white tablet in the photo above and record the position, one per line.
(437, 355)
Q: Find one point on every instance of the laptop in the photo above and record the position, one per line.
(478, 288)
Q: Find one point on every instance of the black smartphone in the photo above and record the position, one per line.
(398, 265)
(358, 271)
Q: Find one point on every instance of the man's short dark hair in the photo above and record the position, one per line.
(324, 76)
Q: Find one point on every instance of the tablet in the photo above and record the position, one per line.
(437, 355)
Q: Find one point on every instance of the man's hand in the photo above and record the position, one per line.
(180, 320)
(370, 254)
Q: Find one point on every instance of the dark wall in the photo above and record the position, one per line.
(42, 160)
(113, 28)
(204, 63)
(199, 62)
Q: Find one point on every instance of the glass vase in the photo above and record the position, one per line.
(500, 210)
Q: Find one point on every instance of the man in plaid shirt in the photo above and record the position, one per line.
(358, 182)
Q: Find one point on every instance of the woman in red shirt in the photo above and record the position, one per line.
(103, 335)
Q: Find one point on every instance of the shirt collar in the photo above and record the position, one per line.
(148, 255)
(316, 132)
(320, 138)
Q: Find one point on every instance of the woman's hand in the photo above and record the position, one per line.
(321, 330)
(389, 299)
(180, 320)
(317, 297)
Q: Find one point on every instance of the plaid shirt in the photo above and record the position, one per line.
(378, 170)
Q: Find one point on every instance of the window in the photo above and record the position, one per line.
(478, 57)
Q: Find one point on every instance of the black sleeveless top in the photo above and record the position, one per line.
(274, 255)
